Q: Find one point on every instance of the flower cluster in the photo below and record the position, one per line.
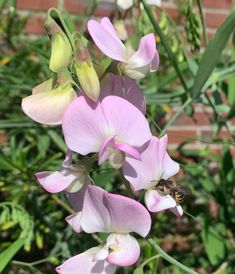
(104, 121)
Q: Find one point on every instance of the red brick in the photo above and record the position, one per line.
(223, 4)
(199, 119)
(35, 25)
(36, 4)
(177, 137)
(3, 138)
(214, 20)
(207, 135)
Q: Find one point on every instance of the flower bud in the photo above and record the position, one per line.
(61, 50)
(88, 79)
(85, 71)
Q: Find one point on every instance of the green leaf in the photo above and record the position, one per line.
(58, 140)
(213, 242)
(8, 254)
(212, 54)
(138, 270)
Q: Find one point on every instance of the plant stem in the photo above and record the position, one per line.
(172, 120)
(149, 260)
(62, 203)
(168, 258)
(164, 42)
(205, 37)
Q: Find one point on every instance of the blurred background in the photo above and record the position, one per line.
(201, 137)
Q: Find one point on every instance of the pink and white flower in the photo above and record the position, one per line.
(155, 164)
(71, 178)
(135, 64)
(113, 127)
(114, 214)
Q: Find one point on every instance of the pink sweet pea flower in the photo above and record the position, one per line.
(112, 127)
(110, 213)
(46, 105)
(71, 178)
(123, 87)
(156, 164)
(136, 65)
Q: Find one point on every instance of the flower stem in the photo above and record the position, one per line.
(168, 258)
(62, 203)
(164, 43)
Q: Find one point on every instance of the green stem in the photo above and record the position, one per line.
(172, 120)
(60, 9)
(168, 258)
(149, 260)
(62, 203)
(127, 184)
(164, 42)
(199, 3)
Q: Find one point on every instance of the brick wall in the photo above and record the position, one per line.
(184, 128)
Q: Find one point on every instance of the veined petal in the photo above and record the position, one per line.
(105, 212)
(146, 52)
(126, 88)
(106, 41)
(84, 126)
(48, 107)
(129, 150)
(129, 125)
(83, 263)
(156, 164)
(125, 249)
(156, 202)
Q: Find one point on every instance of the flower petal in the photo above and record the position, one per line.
(48, 107)
(156, 202)
(129, 125)
(125, 4)
(128, 250)
(126, 88)
(106, 41)
(154, 63)
(146, 52)
(84, 126)
(55, 182)
(43, 87)
(74, 220)
(83, 263)
(178, 210)
(105, 212)
(76, 199)
(155, 164)
(129, 150)
(103, 153)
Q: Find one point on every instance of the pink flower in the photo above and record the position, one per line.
(156, 164)
(110, 213)
(113, 127)
(123, 87)
(70, 178)
(136, 65)
(46, 105)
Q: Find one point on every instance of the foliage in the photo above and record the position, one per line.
(203, 240)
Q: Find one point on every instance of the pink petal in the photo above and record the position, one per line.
(106, 40)
(126, 88)
(154, 63)
(74, 220)
(127, 215)
(68, 159)
(103, 154)
(178, 210)
(76, 199)
(106, 23)
(105, 212)
(156, 202)
(48, 107)
(55, 182)
(155, 164)
(43, 87)
(128, 250)
(84, 126)
(84, 264)
(145, 53)
(129, 150)
(129, 125)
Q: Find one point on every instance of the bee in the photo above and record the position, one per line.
(176, 191)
